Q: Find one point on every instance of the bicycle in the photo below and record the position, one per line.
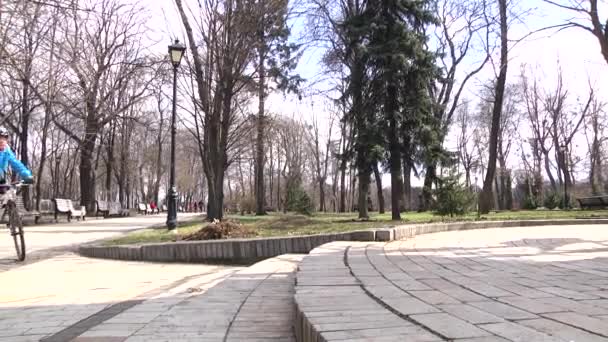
(8, 203)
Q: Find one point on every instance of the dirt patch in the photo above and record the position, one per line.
(220, 230)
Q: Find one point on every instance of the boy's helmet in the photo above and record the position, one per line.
(4, 132)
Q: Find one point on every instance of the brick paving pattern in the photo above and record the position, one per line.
(517, 284)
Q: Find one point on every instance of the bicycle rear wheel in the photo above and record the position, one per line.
(16, 227)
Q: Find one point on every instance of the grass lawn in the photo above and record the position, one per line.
(278, 224)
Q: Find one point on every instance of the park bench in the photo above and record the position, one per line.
(46, 207)
(66, 207)
(103, 208)
(593, 202)
(149, 209)
(116, 209)
(23, 212)
(142, 208)
(153, 210)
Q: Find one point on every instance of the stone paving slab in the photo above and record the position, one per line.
(255, 303)
(74, 294)
(519, 284)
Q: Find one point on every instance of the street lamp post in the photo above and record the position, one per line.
(176, 52)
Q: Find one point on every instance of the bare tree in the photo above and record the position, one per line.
(540, 124)
(464, 141)
(462, 24)
(105, 54)
(589, 9)
(485, 199)
(564, 125)
(220, 55)
(596, 134)
(321, 158)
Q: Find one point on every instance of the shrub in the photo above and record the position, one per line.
(247, 205)
(220, 230)
(552, 200)
(299, 201)
(529, 203)
(452, 198)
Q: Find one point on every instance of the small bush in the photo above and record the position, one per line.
(220, 230)
(552, 200)
(299, 201)
(452, 198)
(247, 205)
(529, 203)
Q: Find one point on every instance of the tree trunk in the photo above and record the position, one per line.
(25, 123)
(110, 161)
(364, 180)
(87, 172)
(343, 161)
(378, 178)
(45, 130)
(486, 194)
(508, 193)
(271, 177)
(260, 193)
(396, 182)
(159, 156)
(407, 184)
(322, 195)
(427, 189)
(549, 173)
(279, 204)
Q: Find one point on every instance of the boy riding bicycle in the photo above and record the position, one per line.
(8, 157)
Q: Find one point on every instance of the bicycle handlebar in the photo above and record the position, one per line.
(16, 185)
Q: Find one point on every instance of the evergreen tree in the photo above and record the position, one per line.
(361, 115)
(400, 67)
(275, 58)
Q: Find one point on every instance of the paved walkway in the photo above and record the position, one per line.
(521, 284)
(45, 240)
(58, 296)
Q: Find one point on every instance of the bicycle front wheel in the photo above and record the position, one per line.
(16, 227)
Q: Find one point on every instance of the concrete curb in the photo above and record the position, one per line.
(407, 231)
(248, 250)
(233, 250)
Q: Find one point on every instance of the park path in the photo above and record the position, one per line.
(45, 240)
(524, 284)
(55, 288)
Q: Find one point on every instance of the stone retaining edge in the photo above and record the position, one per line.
(306, 331)
(248, 250)
(232, 250)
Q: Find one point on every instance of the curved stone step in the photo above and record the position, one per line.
(253, 304)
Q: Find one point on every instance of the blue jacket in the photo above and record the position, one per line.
(8, 157)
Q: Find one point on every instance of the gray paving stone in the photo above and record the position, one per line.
(566, 293)
(503, 310)
(594, 325)
(449, 326)
(470, 314)
(531, 305)
(406, 333)
(484, 339)
(582, 307)
(409, 306)
(518, 333)
(563, 331)
(433, 297)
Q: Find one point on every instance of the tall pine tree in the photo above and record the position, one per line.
(400, 68)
